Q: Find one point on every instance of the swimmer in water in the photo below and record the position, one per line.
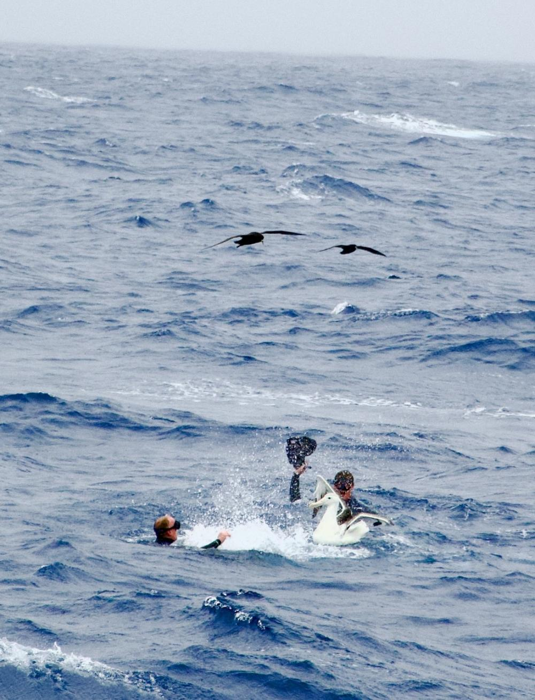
(167, 526)
(343, 484)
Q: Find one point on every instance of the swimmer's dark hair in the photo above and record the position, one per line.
(344, 480)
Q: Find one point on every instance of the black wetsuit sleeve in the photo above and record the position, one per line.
(212, 545)
(295, 493)
(355, 507)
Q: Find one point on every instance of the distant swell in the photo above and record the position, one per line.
(501, 351)
(45, 416)
(35, 397)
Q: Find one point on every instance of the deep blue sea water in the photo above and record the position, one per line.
(143, 374)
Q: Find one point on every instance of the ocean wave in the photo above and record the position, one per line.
(62, 573)
(355, 314)
(47, 416)
(344, 307)
(431, 141)
(249, 314)
(40, 309)
(517, 664)
(225, 610)
(32, 397)
(508, 318)
(501, 351)
(50, 95)
(407, 123)
(501, 412)
(320, 186)
(21, 163)
(141, 221)
(53, 671)
(294, 190)
(105, 142)
(413, 166)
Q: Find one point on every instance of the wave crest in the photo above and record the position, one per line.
(50, 95)
(417, 125)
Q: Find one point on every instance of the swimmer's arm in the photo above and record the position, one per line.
(222, 536)
(295, 492)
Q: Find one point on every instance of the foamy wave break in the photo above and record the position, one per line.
(417, 125)
(53, 662)
(50, 95)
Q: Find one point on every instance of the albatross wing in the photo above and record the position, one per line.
(364, 517)
(226, 239)
(371, 250)
(286, 233)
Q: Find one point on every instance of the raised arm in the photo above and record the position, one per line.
(222, 536)
(295, 492)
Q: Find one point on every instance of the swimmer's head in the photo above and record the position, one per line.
(344, 482)
(166, 528)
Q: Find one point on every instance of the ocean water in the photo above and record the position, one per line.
(142, 373)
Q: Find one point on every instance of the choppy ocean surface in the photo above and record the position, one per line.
(141, 374)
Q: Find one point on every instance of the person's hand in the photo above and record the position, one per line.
(300, 470)
(222, 536)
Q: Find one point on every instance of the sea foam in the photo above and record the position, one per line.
(417, 125)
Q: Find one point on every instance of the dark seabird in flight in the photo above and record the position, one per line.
(254, 237)
(351, 248)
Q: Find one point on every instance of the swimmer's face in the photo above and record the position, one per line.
(172, 532)
(345, 489)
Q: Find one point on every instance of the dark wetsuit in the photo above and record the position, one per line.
(295, 493)
(211, 545)
(354, 506)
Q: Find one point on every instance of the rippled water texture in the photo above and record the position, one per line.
(142, 373)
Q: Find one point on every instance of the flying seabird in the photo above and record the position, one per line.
(253, 237)
(351, 248)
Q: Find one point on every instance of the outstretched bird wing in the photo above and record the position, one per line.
(375, 517)
(329, 248)
(371, 250)
(226, 239)
(357, 247)
(261, 233)
(286, 233)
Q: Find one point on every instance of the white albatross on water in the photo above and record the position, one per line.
(337, 527)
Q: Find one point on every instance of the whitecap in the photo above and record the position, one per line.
(223, 391)
(293, 190)
(240, 616)
(417, 125)
(501, 412)
(340, 307)
(53, 661)
(50, 95)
